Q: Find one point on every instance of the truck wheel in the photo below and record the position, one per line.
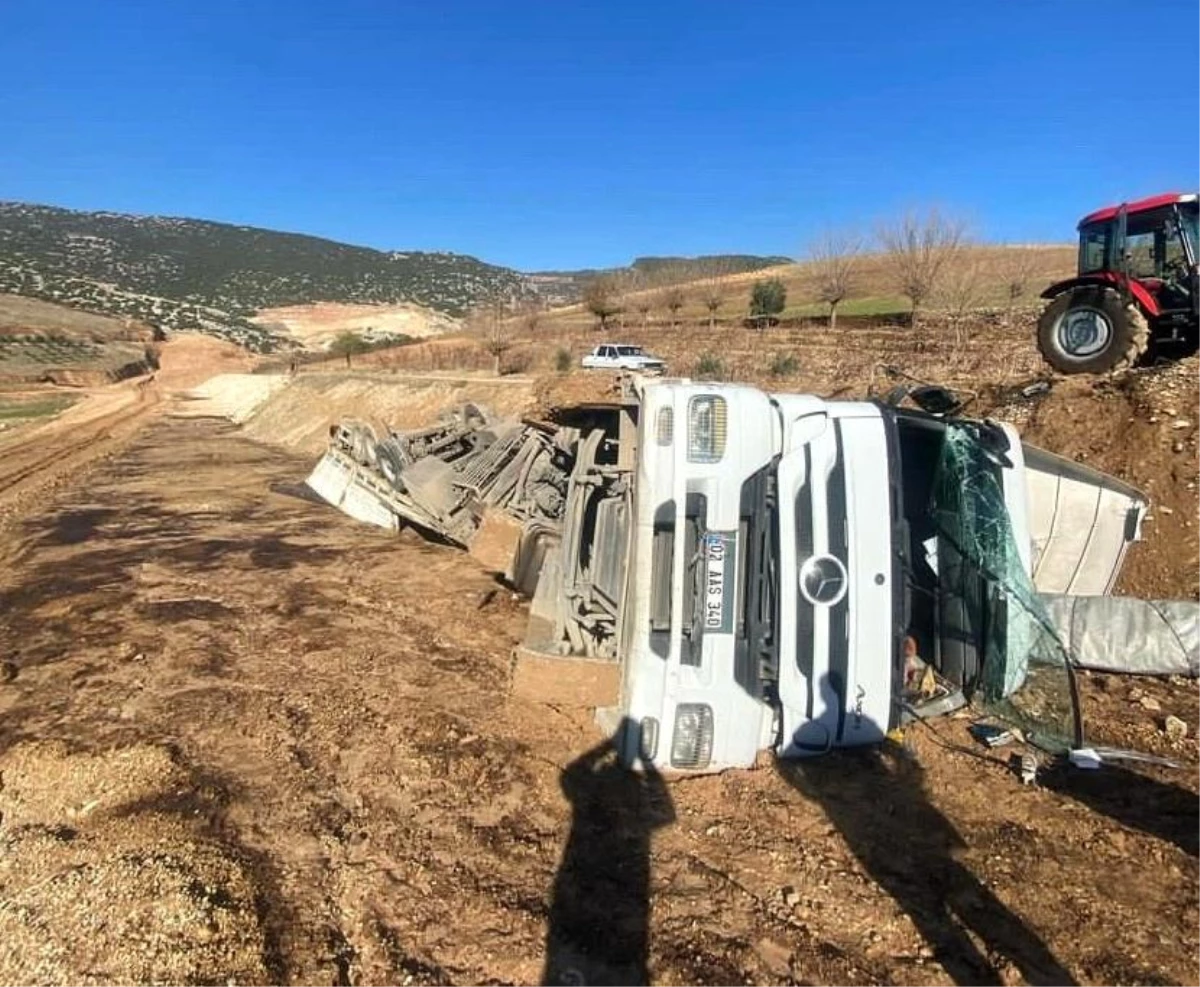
(363, 444)
(1091, 331)
(391, 461)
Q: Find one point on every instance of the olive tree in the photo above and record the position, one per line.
(767, 299)
(347, 344)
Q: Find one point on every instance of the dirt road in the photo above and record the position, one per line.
(36, 458)
(248, 739)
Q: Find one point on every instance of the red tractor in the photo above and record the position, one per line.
(1137, 285)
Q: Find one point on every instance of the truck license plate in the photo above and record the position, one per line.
(718, 567)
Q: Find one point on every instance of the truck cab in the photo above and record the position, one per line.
(792, 562)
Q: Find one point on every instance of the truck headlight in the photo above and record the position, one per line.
(665, 426)
(648, 739)
(707, 424)
(691, 744)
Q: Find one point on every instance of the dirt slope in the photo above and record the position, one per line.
(299, 416)
(316, 326)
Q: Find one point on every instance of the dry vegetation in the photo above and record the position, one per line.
(981, 309)
(45, 343)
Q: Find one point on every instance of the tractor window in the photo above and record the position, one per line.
(1140, 252)
(1191, 226)
(1173, 255)
(1093, 248)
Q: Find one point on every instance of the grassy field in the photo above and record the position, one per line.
(25, 408)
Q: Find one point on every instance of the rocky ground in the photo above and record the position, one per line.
(245, 739)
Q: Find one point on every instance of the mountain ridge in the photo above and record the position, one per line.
(179, 273)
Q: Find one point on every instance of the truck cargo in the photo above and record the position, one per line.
(726, 571)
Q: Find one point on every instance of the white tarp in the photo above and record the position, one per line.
(1122, 634)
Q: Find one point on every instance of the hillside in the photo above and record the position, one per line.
(45, 343)
(211, 277)
(978, 278)
(566, 287)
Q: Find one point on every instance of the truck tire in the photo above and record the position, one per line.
(363, 444)
(391, 461)
(1091, 331)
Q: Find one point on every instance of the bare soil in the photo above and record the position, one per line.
(315, 326)
(243, 738)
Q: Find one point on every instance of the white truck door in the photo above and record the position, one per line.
(1081, 522)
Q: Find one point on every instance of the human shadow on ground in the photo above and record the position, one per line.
(600, 908)
(1136, 800)
(876, 798)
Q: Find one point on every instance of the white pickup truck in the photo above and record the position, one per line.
(619, 356)
(723, 571)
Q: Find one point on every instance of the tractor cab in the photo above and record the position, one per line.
(1137, 285)
(1155, 247)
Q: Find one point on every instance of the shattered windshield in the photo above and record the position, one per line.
(1025, 674)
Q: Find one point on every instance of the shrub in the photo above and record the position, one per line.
(784, 365)
(516, 362)
(710, 367)
(562, 360)
(767, 299)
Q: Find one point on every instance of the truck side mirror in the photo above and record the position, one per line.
(935, 400)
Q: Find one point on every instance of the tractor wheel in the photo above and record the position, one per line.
(1092, 332)
(391, 461)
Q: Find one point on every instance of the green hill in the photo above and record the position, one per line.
(199, 275)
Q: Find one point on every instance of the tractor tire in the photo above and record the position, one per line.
(1091, 331)
(391, 461)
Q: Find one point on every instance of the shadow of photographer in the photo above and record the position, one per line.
(876, 798)
(600, 906)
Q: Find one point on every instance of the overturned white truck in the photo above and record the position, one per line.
(727, 571)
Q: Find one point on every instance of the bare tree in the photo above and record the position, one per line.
(530, 314)
(490, 325)
(643, 302)
(833, 262)
(917, 249)
(960, 291)
(1018, 267)
(713, 288)
(673, 298)
(601, 297)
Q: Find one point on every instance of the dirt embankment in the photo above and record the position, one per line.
(1141, 427)
(315, 326)
(299, 416)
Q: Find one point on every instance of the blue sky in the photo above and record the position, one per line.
(544, 135)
